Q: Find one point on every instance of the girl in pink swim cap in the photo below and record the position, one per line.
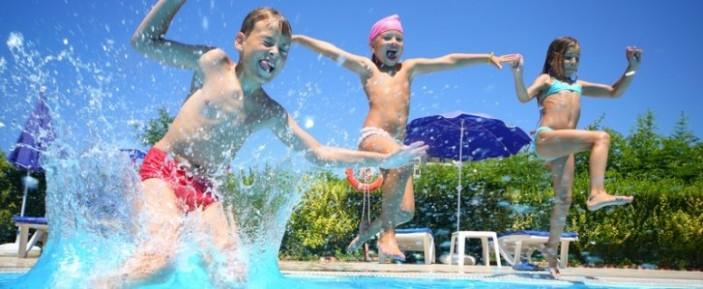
(386, 81)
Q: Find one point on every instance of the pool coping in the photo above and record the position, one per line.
(572, 275)
(650, 278)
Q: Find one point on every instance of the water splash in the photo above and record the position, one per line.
(92, 187)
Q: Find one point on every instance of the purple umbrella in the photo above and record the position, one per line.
(34, 139)
(466, 137)
(135, 155)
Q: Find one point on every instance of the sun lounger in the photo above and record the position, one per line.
(458, 242)
(25, 224)
(515, 246)
(415, 239)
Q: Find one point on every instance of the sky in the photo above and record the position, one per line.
(98, 71)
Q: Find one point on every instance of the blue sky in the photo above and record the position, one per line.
(328, 99)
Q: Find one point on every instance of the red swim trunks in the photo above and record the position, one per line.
(192, 191)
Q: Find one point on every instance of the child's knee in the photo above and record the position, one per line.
(603, 138)
(405, 216)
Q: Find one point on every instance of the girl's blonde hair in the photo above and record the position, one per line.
(554, 63)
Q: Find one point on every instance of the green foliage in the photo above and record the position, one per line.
(156, 128)
(328, 220)
(11, 191)
(663, 226)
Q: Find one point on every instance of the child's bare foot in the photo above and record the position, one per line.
(602, 200)
(554, 272)
(389, 247)
(553, 262)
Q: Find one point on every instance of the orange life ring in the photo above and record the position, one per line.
(363, 187)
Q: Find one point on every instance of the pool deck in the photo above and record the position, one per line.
(571, 275)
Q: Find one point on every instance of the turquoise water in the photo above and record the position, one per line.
(378, 282)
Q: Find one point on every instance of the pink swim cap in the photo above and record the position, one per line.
(389, 23)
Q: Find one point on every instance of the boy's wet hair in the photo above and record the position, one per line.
(554, 63)
(265, 13)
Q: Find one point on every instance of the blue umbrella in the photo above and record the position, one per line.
(466, 137)
(34, 139)
(135, 155)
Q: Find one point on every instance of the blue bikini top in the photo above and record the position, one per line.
(558, 85)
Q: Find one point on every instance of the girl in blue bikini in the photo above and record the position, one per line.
(558, 94)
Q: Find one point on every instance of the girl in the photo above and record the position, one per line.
(558, 94)
(386, 81)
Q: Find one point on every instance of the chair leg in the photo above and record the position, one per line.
(452, 248)
(518, 252)
(484, 247)
(460, 250)
(433, 255)
(495, 250)
(35, 237)
(22, 248)
(427, 250)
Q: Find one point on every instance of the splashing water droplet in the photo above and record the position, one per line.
(15, 40)
(205, 23)
(309, 122)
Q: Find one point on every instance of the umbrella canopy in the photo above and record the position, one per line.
(463, 137)
(134, 154)
(36, 135)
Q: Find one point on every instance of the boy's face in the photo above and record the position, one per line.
(264, 51)
(388, 46)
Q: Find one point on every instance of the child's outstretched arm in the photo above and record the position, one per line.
(149, 38)
(524, 94)
(358, 64)
(634, 57)
(455, 60)
(288, 131)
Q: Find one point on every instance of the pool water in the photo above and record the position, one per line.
(7, 280)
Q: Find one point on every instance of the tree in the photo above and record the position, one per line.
(642, 155)
(156, 128)
(679, 152)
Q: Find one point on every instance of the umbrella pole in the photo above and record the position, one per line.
(24, 195)
(458, 186)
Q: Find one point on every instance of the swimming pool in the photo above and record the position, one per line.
(367, 282)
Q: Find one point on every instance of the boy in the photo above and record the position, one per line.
(227, 104)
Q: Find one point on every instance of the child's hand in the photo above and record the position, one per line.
(495, 60)
(499, 60)
(634, 56)
(403, 156)
(516, 61)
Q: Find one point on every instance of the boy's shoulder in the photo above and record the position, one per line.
(214, 56)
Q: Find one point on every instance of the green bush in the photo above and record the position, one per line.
(327, 221)
(663, 226)
(11, 198)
